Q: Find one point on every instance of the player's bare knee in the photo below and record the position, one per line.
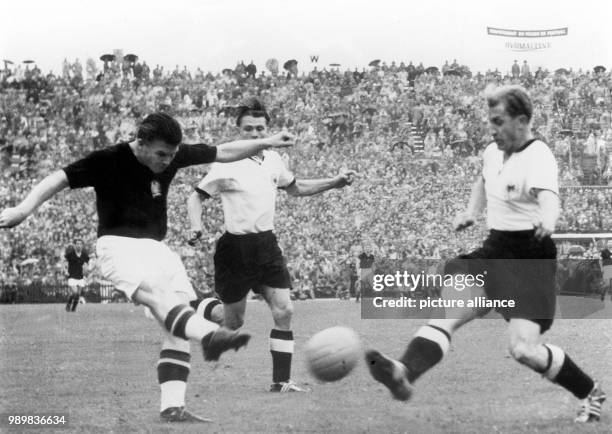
(282, 314)
(523, 351)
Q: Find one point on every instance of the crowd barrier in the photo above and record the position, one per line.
(43, 293)
(574, 277)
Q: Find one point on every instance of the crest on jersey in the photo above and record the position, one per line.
(156, 190)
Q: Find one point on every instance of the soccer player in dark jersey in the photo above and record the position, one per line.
(77, 257)
(131, 182)
(366, 271)
(518, 261)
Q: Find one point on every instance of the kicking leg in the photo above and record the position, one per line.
(180, 321)
(209, 308)
(427, 348)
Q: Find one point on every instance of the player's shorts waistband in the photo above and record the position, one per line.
(254, 235)
(494, 233)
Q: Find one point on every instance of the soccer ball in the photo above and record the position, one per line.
(332, 353)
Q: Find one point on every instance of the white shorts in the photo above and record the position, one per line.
(76, 283)
(130, 262)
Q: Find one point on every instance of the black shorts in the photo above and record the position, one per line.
(516, 266)
(244, 262)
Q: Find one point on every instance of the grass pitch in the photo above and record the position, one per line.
(99, 366)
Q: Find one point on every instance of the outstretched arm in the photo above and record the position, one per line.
(240, 149)
(308, 187)
(194, 211)
(42, 192)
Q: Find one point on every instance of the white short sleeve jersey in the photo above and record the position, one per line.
(248, 191)
(509, 186)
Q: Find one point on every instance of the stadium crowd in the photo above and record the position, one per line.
(413, 134)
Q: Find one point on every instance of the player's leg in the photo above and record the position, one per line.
(427, 347)
(281, 338)
(82, 291)
(149, 273)
(432, 341)
(180, 319)
(79, 286)
(552, 362)
(73, 292)
(172, 373)
(233, 314)
(75, 299)
(210, 308)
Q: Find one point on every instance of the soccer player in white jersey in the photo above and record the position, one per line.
(519, 188)
(131, 181)
(247, 255)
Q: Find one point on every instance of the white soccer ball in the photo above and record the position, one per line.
(331, 354)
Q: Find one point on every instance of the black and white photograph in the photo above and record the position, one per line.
(305, 217)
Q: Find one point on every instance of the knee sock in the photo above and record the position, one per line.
(172, 372)
(562, 370)
(182, 322)
(205, 307)
(281, 348)
(426, 349)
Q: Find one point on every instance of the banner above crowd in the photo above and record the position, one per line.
(536, 38)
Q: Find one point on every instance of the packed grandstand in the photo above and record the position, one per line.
(413, 134)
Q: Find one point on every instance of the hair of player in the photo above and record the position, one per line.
(160, 126)
(515, 99)
(252, 107)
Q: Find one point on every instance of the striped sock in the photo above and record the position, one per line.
(562, 370)
(183, 323)
(281, 348)
(427, 348)
(172, 372)
(207, 308)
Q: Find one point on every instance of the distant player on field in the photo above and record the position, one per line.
(519, 187)
(365, 262)
(131, 181)
(248, 256)
(77, 257)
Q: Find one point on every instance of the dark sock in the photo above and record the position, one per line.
(425, 350)
(177, 318)
(281, 348)
(572, 378)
